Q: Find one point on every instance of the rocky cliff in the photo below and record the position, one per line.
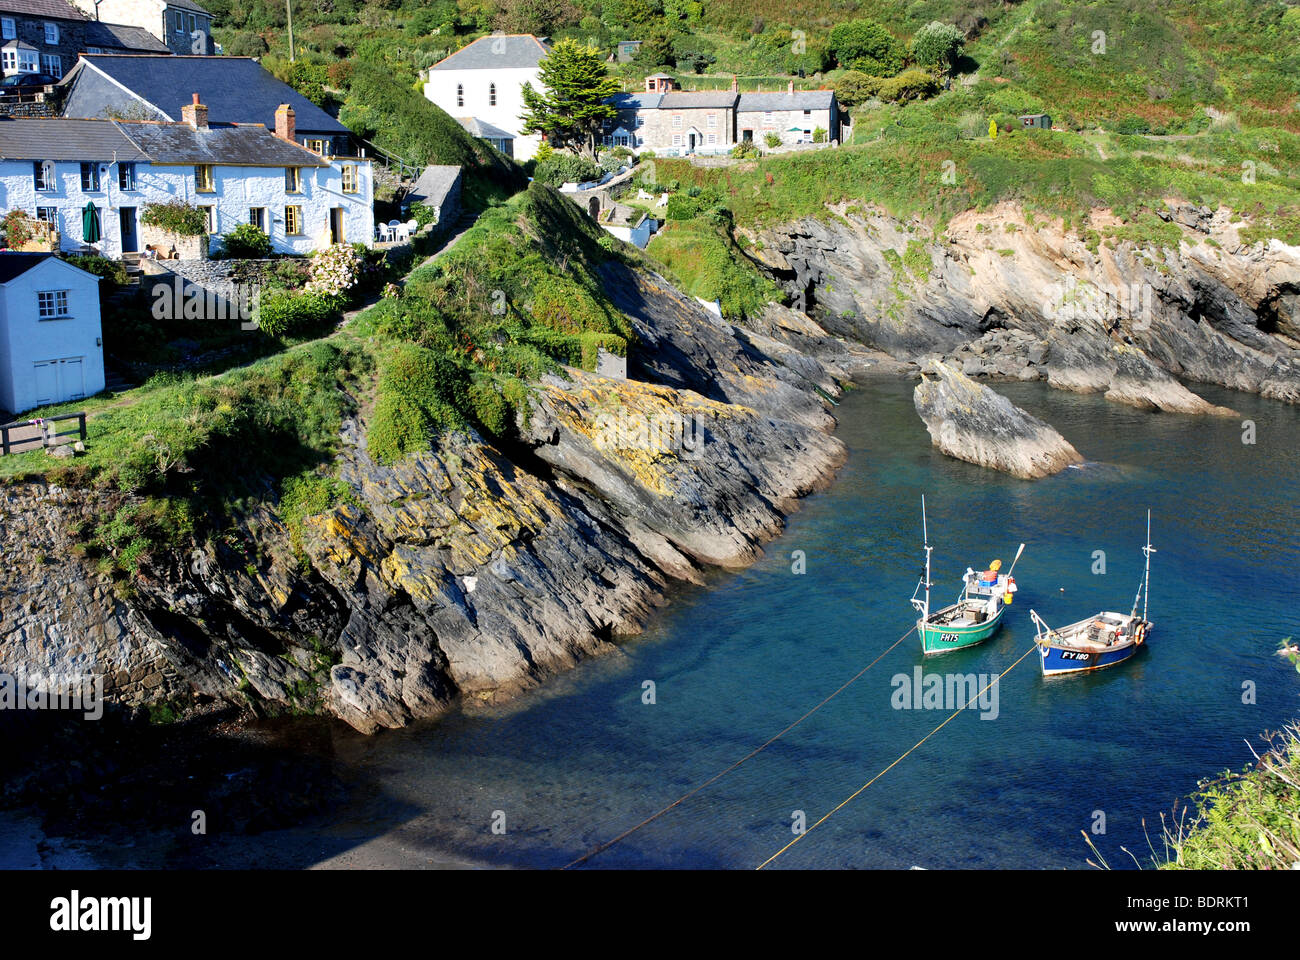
(473, 570)
(1004, 296)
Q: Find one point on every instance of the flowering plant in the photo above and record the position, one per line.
(335, 269)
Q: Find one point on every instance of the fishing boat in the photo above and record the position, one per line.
(975, 616)
(1097, 642)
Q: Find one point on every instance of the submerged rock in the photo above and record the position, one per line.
(971, 422)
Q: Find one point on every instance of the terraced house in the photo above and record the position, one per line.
(55, 169)
(46, 36)
(182, 26)
(675, 122)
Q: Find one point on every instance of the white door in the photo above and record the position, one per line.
(47, 381)
(59, 380)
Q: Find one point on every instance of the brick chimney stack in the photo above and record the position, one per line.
(286, 128)
(735, 83)
(790, 88)
(195, 114)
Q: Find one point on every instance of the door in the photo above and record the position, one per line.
(747, 136)
(336, 225)
(58, 381)
(47, 382)
(126, 218)
(691, 142)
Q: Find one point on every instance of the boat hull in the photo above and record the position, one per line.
(1058, 661)
(944, 638)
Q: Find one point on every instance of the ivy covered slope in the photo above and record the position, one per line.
(439, 500)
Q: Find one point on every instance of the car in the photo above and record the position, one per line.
(29, 80)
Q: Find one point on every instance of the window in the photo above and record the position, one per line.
(178, 22)
(350, 178)
(677, 139)
(492, 94)
(711, 138)
(94, 49)
(203, 180)
(293, 221)
(316, 146)
(48, 214)
(209, 219)
(769, 119)
(52, 34)
(90, 177)
(257, 217)
(713, 120)
(52, 304)
(43, 174)
(292, 180)
(19, 61)
(51, 64)
(194, 23)
(460, 94)
(677, 121)
(8, 29)
(807, 113)
(640, 121)
(807, 136)
(126, 176)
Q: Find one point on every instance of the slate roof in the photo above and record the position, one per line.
(187, 5)
(52, 9)
(696, 99)
(434, 183)
(121, 36)
(165, 143)
(235, 89)
(496, 52)
(636, 101)
(484, 130)
(799, 100)
(62, 139)
(221, 143)
(13, 265)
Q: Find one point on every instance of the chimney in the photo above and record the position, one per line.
(285, 126)
(790, 87)
(195, 114)
(735, 83)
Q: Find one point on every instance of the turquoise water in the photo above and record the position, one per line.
(580, 761)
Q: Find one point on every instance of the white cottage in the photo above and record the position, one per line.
(235, 173)
(481, 85)
(51, 349)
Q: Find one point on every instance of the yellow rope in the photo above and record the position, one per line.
(753, 753)
(855, 793)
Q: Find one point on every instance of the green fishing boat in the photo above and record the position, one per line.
(975, 616)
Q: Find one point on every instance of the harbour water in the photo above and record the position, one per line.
(732, 663)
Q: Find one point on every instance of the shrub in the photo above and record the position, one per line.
(856, 87)
(282, 314)
(335, 270)
(176, 216)
(908, 85)
(247, 242)
(101, 267)
(745, 150)
(420, 391)
(423, 214)
(17, 228)
(773, 140)
(560, 168)
(867, 46)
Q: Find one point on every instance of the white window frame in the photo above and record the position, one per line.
(713, 120)
(677, 121)
(39, 183)
(52, 34)
(94, 49)
(8, 28)
(52, 305)
(257, 218)
(48, 215)
(94, 183)
(52, 64)
(209, 217)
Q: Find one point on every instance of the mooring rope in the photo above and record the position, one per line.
(856, 792)
(753, 753)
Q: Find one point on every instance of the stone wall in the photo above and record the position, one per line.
(28, 111)
(166, 242)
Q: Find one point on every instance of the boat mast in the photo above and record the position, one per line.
(1144, 588)
(925, 534)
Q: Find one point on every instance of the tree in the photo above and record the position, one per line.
(867, 46)
(855, 87)
(936, 47)
(572, 106)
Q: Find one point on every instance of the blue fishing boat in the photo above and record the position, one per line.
(1100, 641)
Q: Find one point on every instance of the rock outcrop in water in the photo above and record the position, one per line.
(1004, 296)
(972, 422)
